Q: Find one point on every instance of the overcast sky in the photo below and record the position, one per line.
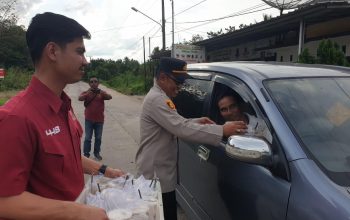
(117, 30)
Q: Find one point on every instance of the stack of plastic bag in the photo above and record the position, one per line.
(124, 197)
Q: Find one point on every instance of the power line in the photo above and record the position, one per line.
(156, 32)
(242, 12)
(217, 19)
(187, 9)
(221, 18)
(208, 21)
(121, 27)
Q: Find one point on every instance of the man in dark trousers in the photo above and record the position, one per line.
(160, 124)
(94, 102)
(41, 166)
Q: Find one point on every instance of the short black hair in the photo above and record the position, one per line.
(229, 93)
(93, 76)
(50, 27)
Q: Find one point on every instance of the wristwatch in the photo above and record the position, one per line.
(102, 169)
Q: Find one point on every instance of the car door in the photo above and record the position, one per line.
(220, 187)
(192, 102)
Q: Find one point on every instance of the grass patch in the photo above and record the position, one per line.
(6, 95)
(2, 101)
(128, 84)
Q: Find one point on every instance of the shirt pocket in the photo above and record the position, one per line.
(53, 157)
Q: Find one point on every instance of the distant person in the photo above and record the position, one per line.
(41, 167)
(230, 109)
(94, 102)
(161, 124)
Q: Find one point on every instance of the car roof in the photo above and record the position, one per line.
(267, 70)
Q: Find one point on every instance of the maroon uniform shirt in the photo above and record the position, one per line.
(95, 110)
(40, 145)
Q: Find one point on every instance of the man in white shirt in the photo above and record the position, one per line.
(230, 109)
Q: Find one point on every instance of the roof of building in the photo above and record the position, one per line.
(318, 11)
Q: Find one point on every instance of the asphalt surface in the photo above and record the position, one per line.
(121, 133)
(121, 130)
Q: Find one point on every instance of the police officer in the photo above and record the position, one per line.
(160, 125)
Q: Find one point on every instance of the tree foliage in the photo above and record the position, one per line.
(195, 38)
(13, 48)
(212, 34)
(125, 75)
(305, 57)
(155, 50)
(328, 52)
(230, 29)
(267, 17)
(7, 16)
(16, 79)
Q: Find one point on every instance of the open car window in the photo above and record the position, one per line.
(244, 109)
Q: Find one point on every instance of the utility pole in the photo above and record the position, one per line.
(172, 16)
(144, 61)
(149, 46)
(163, 24)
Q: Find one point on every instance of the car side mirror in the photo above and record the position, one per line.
(249, 149)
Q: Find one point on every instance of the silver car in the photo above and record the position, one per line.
(302, 172)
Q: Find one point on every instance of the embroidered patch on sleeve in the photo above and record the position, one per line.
(170, 104)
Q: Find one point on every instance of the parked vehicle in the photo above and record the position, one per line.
(304, 173)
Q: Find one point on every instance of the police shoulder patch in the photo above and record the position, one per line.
(170, 104)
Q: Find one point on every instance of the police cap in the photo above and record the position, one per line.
(175, 67)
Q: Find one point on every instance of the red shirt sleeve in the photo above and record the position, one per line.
(17, 147)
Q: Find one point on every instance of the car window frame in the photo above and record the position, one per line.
(247, 94)
(244, 91)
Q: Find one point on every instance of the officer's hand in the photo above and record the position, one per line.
(205, 120)
(113, 173)
(234, 127)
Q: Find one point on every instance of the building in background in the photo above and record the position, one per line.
(284, 37)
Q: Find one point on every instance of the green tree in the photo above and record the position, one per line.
(13, 48)
(212, 34)
(241, 26)
(230, 29)
(267, 17)
(7, 15)
(329, 52)
(305, 57)
(155, 50)
(16, 79)
(195, 38)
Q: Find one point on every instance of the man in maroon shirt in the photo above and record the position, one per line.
(94, 102)
(41, 167)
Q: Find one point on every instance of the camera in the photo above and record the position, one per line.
(97, 91)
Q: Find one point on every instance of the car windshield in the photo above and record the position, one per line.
(318, 111)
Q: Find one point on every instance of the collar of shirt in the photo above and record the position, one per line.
(157, 87)
(49, 97)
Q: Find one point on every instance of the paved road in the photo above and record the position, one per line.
(121, 131)
(121, 128)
